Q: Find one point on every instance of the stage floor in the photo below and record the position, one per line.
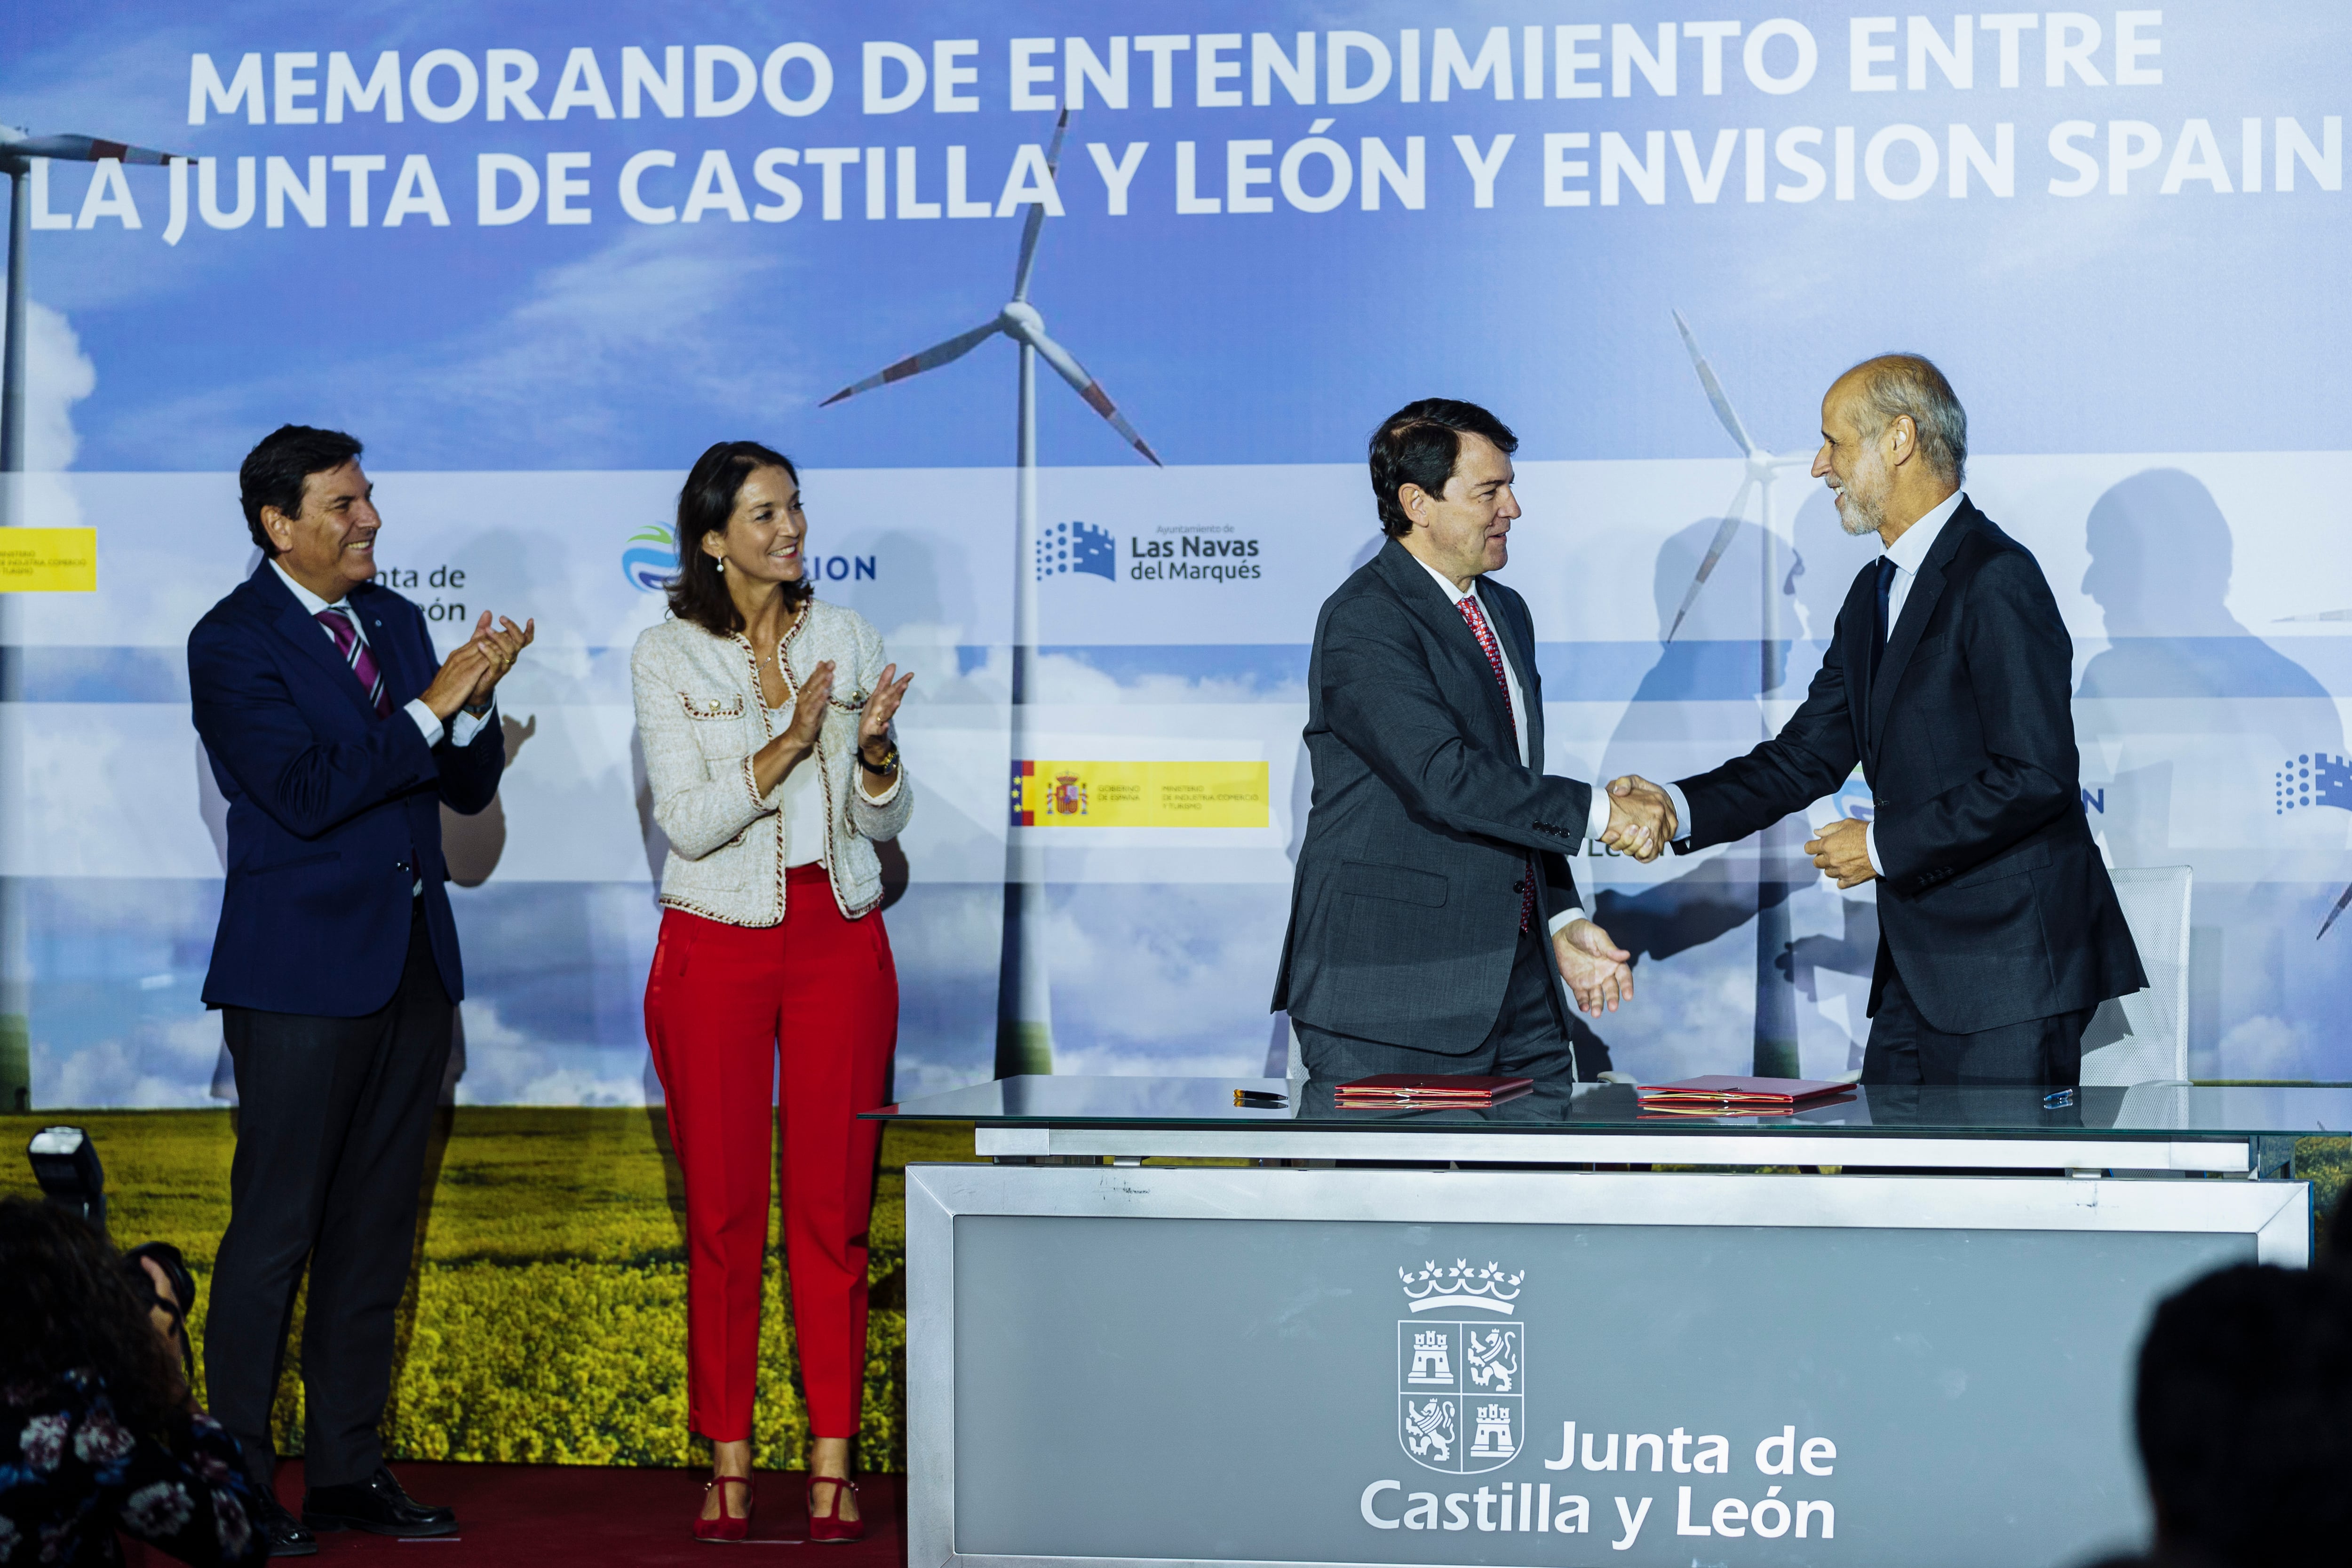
(515, 1514)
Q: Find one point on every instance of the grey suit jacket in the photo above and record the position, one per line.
(1404, 912)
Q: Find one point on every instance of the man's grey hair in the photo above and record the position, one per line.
(1893, 385)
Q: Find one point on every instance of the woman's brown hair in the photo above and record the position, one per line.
(699, 592)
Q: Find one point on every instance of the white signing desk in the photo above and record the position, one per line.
(1896, 1331)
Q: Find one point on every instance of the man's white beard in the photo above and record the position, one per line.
(1859, 514)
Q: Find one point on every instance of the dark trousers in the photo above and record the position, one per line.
(1905, 1048)
(1529, 1038)
(333, 1116)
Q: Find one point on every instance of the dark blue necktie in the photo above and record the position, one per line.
(1879, 627)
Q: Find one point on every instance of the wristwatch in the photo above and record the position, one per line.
(883, 769)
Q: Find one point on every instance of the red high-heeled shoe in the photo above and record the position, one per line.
(725, 1527)
(832, 1528)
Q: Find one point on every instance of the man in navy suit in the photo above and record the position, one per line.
(1948, 680)
(336, 736)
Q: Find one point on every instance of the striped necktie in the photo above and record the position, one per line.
(337, 619)
(1468, 606)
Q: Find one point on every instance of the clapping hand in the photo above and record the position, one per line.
(1599, 973)
(874, 723)
(878, 759)
(808, 712)
(1641, 818)
(499, 649)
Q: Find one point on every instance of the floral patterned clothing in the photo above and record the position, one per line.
(71, 1476)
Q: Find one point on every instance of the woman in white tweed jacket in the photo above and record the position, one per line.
(765, 716)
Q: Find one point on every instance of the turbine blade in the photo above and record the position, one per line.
(2340, 905)
(1036, 221)
(1723, 409)
(1071, 371)
(1724, 535)
(1054, 148)
(82, 149)
(932, 358)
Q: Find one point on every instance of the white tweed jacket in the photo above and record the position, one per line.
(700, 717)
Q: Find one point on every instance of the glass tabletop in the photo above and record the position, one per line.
(2142, 1111)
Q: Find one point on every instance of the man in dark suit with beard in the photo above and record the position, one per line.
(336, 740)
(1947, 681)
(1433, 901)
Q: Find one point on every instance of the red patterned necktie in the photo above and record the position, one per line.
(1468, 604)
(346, 633)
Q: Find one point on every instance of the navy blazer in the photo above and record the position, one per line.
(333, 813)
(1404, 910)
(1995, 906)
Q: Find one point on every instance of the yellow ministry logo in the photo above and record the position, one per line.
(1140, 794)
(48, 560)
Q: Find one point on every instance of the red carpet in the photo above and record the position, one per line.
(582, 1514)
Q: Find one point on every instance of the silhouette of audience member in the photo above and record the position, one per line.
(2244, 1418)
(2336, 1241)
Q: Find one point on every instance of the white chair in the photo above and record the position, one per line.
(2144, 1038)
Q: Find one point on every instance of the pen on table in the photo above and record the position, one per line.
(1258, 1098)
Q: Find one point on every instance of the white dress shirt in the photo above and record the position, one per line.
(803, 805)
(1909, 552)
(1597, 819)
(802, 801)
(464, 727)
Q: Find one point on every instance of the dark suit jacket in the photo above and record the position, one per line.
(1995, 906)
(1404, 912)
(333, 813)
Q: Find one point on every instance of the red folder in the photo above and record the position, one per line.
(1717, 1089)
(1431, 1089)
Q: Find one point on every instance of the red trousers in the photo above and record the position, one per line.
(724, 1006)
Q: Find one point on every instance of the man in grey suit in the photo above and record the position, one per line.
(1432, 900)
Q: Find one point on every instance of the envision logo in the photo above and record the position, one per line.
(650, 559)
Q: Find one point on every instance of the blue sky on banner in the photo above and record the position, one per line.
(2072, 311)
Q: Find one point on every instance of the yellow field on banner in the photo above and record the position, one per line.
(48, 560)
(1144, 794)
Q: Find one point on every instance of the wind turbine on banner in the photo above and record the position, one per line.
(1024, 1016)
(1775, 1053)
(18, 148)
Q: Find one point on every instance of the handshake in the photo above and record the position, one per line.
(1641, 818)
(1599, 973)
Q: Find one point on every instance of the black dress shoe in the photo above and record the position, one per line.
(281, 1530)
(376, 1505)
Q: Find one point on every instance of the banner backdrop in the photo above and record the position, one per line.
(539, 256)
